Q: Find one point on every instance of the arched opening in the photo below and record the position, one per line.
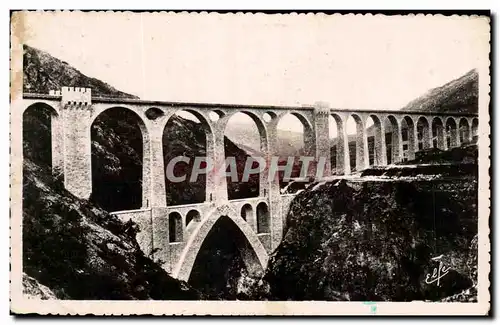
(465, 135)
(39, 138)
(119, 138)
(185, 135)
(245, 139)
(295, 138)
(375, 141)
(263, 220)
(336, 144)
(475, 135)
(438, 134)
(175, 230)
(192, 215)
(423, 133)
(223, 259)
(246, 212)
(408, 138)
(392, 139)
(451, 133)
(355, 131)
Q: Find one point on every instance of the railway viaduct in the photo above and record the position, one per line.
(175, 233)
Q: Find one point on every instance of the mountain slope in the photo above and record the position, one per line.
(43, 72)
(459, 95)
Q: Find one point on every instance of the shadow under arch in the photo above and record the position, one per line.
(41, 135)
(120, 148)
(251, 250)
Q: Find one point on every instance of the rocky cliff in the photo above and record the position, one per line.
(75, 250)
(373, 238)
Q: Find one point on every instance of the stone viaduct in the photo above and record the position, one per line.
(174, 234)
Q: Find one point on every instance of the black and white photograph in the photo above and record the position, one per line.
(173, 163)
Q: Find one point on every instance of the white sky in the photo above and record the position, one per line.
(364, 62)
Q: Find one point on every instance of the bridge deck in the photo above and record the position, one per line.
(143, 102)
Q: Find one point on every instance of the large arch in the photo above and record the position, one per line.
(474, 128)
(257, 184)
(337, 143)
(408, 138)
(120, 148)
(464, 130)
(393, 139)
(252, 251)
(290, 144)
(438, 134)
(42, 136)
(376, 145)
(452, 136)
(423, 133)
(190, 136)
(357, 147)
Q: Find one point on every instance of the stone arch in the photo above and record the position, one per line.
(408, 138)
(127, 122)
(257, 184)
(358, 161)
(263, 218)
(338, 143)
(193, 215)
(423, 133)
(377, 152)
(247, 212)
(452, 136)
(252, 251)
(309, 137)
(474, 128)
(291, 151)
(464, 130)
(187, 192)
(393, 139)
(438, 134)
(175, 228)
(261, 127)
(42, 136)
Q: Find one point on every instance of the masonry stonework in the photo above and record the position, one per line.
(71, 152)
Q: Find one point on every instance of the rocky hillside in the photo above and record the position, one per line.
(459, 95)
(43, 72)
(373, 238)
(75, 250)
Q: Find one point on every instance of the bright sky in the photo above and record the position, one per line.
(364, 62)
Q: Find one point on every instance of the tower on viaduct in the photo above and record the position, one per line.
(174, 234)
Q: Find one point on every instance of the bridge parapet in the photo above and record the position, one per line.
(76, 96)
